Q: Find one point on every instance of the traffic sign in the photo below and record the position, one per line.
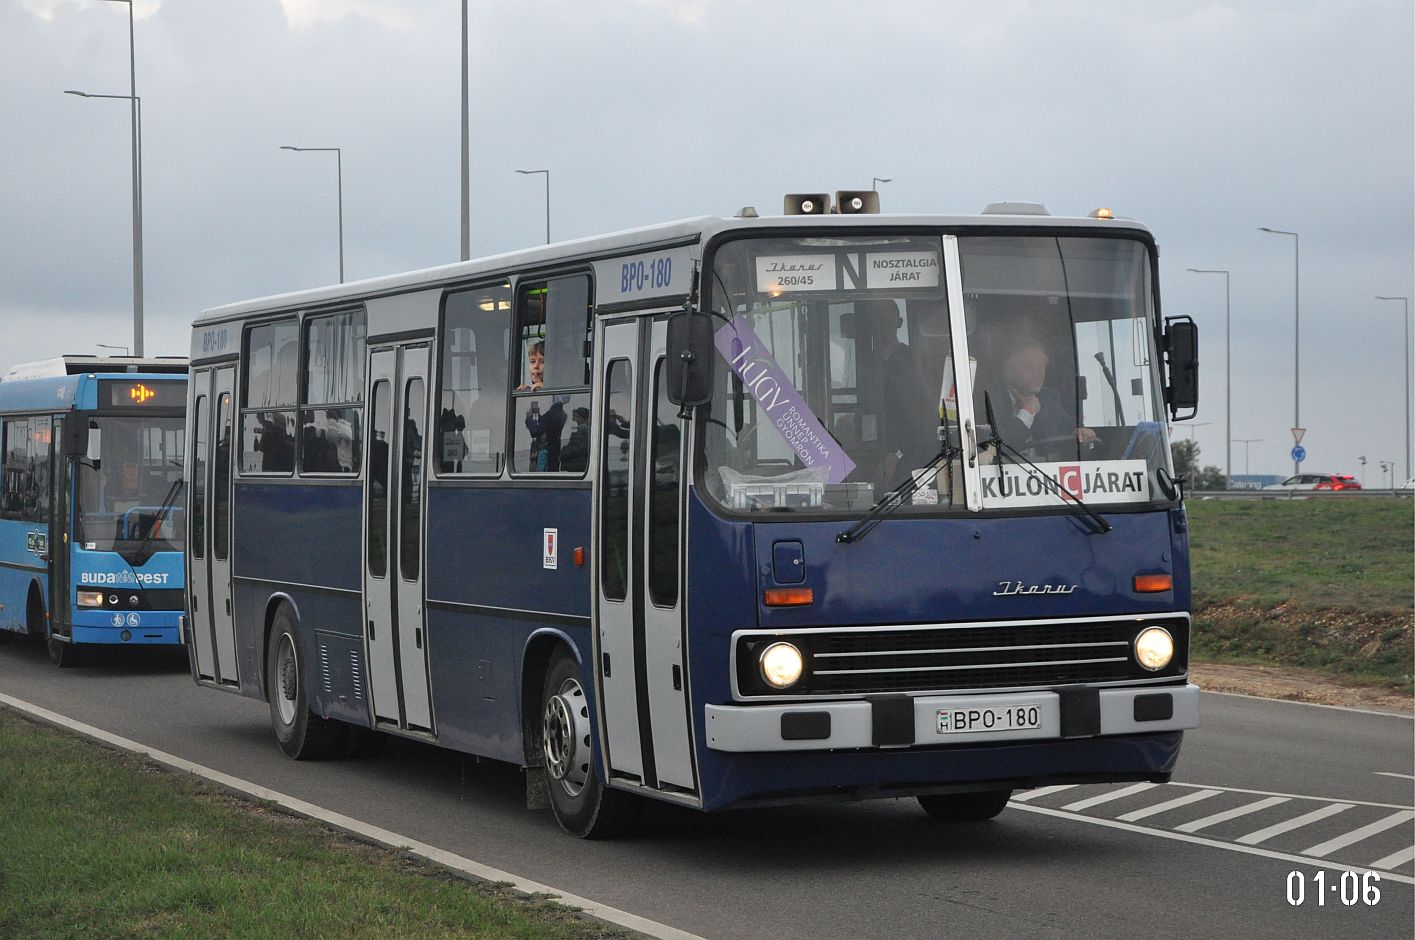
(1297, 436)
(1299, 453)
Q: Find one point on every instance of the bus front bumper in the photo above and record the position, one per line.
(129, 628)
(902, 721)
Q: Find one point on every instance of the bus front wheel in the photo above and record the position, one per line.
(965, 807)
(301, 735)
(582, 804)
(64, 655)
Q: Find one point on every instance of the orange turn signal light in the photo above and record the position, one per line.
(788, 597)
(1153, 583)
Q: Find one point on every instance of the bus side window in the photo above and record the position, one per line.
(24, 462)
(476, 356)
(332, 384)
(269, 398)
(552, 390)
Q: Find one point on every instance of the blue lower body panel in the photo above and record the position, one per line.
(127, 628)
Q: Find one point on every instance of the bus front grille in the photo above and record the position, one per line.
(963, 657)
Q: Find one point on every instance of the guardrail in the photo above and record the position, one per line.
(1368, 493)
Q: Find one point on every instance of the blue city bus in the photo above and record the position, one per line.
(708, 512)
(92, 514)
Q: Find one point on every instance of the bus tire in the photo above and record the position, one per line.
(64, 655)
(34, 616)
(300, 734)
(583, 805)
(965, 807)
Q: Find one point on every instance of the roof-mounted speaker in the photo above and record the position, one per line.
(857, 202)
(807, 203)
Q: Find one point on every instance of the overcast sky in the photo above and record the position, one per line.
(1204, 120)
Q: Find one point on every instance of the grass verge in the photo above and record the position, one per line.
(99, 843)
(1324, 584)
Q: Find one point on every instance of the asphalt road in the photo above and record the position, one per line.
(1090, 861)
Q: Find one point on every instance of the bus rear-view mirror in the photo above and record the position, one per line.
(690, 355)
(94, 450)
(1182, 351)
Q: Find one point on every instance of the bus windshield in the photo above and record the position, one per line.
(838, 381)
(122, 501)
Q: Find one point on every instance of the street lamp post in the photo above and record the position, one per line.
(876, 180)
(1245, 441)
(135, 133)
(1296, 330)
(106, 346)
(339, 171)
(1405, 320)
(547, 198)
(1227, 369)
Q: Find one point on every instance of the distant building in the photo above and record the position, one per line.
(1253, 481)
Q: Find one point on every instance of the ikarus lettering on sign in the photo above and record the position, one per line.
(780, 274)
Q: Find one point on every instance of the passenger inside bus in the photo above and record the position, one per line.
(907, 382)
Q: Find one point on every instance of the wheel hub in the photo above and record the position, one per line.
(565, 737)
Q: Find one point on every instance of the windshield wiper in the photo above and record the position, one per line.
(1033, 470)
(895, 498)
(167, 504)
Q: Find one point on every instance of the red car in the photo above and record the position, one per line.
(1338, 481)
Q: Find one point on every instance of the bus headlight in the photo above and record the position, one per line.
(90, 598)
(781, 665)
(1154, 648)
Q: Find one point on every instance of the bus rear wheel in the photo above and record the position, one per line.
(582, 804)
(301, 735)
(965, 807)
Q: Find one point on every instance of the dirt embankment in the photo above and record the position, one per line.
(1297, 685)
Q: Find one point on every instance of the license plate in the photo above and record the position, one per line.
(972, 720)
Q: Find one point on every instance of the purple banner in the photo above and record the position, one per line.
(781, 402)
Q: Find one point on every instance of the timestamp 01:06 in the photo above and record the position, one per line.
(1349, 888)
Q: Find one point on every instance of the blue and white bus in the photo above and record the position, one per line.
(707, 512)
(92, 514)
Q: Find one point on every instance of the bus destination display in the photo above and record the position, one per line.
(140, 394)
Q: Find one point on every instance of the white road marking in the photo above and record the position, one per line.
(1168, 805)
(1386, 773)
(1210, 843)
(1228, 814)
(1107, 797)
(1290, 796)
(1041, 791)
(362, 829)
(1297, 822)
(1396, 859)
(1356, 835)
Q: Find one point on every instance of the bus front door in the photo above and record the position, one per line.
(395, 628)
(209, 527)
(638, 507)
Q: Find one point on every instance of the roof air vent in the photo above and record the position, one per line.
(1015, 208)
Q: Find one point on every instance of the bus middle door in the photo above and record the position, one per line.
(395, 630)
(639, 628)
(209, 526)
